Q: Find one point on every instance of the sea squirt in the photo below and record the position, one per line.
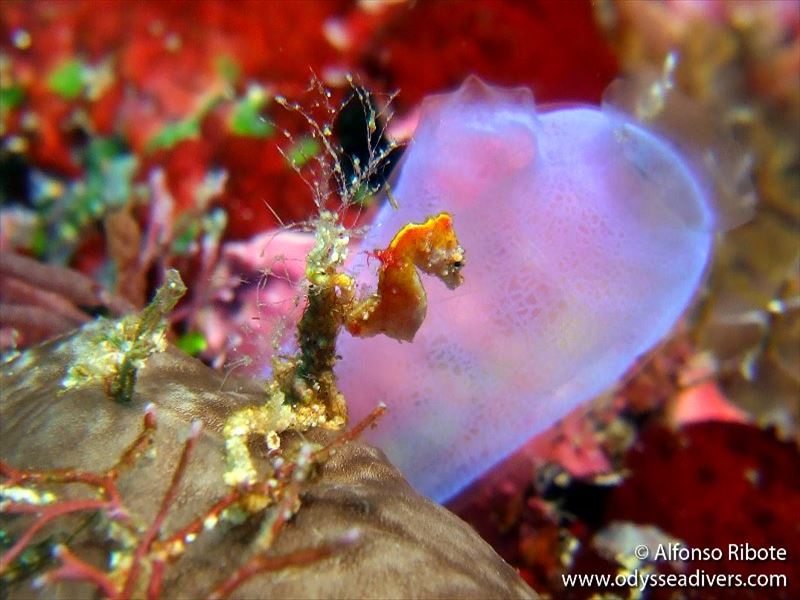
(586, 235)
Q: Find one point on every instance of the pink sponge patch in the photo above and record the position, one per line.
(586, 237)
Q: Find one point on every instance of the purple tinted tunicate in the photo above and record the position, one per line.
(586, 237)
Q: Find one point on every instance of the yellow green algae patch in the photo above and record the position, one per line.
(116, 349)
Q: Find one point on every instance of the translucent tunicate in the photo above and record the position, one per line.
(586, 237)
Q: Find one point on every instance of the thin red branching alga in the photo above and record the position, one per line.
(151, 554)
(105, 483)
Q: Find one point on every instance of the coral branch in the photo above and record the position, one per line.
(369, 421)
(75, 569)
(263, 564)
(14, 291)
(139, 445)
(40, 321)
(289, 503)
(104, 482)
(156, 578)
(48, 513)
(155, 527)
(208, 520)
(149, 555)
(72, 285)
(56, 476)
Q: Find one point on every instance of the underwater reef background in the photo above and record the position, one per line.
(141, 137)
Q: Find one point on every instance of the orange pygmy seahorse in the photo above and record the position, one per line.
(398, 307)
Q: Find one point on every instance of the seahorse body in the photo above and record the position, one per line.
(398, 307)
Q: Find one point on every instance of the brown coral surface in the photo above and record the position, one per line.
(406, 546)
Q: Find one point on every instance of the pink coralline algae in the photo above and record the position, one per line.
(588, 235)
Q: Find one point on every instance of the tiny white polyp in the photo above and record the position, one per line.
(586, 238)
